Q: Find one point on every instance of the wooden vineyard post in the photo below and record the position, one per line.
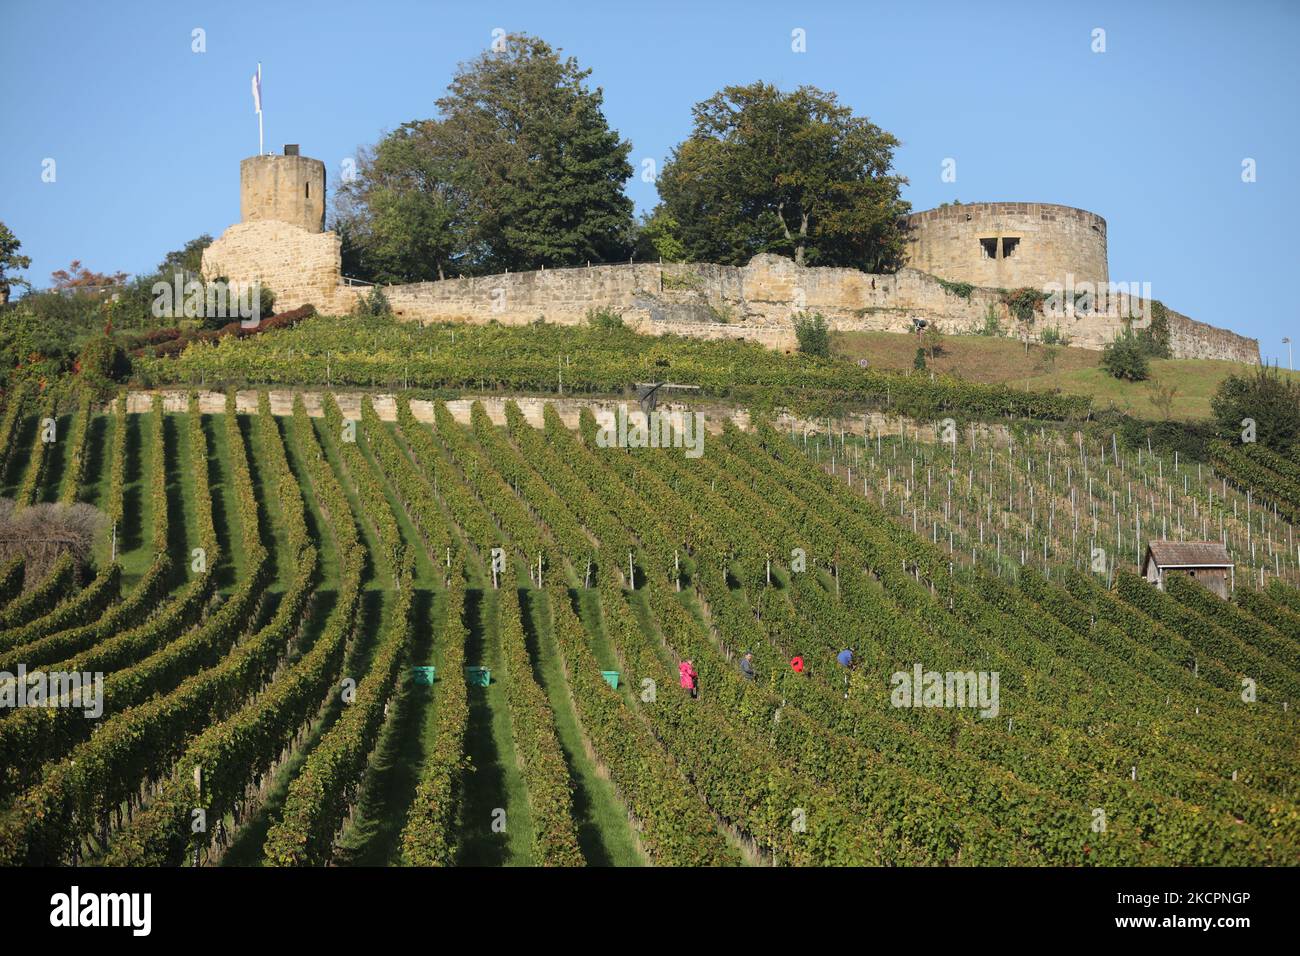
(198, 788)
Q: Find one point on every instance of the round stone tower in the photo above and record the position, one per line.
(1009, 245)
(288, 188)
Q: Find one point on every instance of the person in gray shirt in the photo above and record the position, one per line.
(747, 665)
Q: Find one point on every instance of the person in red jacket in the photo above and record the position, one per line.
(797, 664)
(687, 671)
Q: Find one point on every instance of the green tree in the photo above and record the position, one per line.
(519, 170)
(933, 338)
(543, 171)
(187, 260)
(812, 334)
(1125, 358)
(1049, 356)
(1267, 398)
(1156, 336)
(658, 238)
(403, 219)
(790, 173)
(11, 262)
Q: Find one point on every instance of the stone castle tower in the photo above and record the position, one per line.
(280, 239)
(288, 188)
(1009, 245)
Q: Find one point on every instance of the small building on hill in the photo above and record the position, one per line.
(1206, 561)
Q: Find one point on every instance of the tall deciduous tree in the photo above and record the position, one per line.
(791, 173)
(11, 262)
(543, 168)
(403, 217)
(519, 170)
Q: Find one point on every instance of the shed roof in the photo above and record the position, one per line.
(1187, 554)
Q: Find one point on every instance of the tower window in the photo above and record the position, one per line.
(1009, 247)
(307, 186)
(990, 247)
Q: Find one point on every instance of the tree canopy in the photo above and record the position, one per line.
(791, 173)
(11, 262)
(519, 170)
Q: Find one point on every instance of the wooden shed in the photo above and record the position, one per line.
(1206, 561)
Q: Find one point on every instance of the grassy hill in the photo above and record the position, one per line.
(1074, 371)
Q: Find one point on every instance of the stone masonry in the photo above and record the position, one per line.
(1009, 245)
(758, 301)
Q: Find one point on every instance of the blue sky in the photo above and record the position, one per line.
(1151, 134)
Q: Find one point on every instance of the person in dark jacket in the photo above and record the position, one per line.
(747, 665)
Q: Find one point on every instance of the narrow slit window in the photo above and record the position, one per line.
(990, 247)
(1009, 247)
(307, 187)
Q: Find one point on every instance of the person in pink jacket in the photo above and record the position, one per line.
(687, 670)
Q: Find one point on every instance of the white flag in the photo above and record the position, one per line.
(257, 89)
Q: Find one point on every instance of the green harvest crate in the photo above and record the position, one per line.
(424, 676)
(611, 678)
(478, 676)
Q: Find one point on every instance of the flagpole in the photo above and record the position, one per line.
(260, 149)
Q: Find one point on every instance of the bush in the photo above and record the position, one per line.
(918, 362)
(374, 304)
(265, 302)
(605, 319)
(1271, 401)
(102, 363)
(813, 334)
(42, 533)
(1024, 303)
(1189, 439)
(1052, 335)
(1126, 358)
(992, 327)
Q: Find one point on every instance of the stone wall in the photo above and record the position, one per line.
(1053, 242)
(299, 266)
(1191, 339)
(756, 302)
(533, 409)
